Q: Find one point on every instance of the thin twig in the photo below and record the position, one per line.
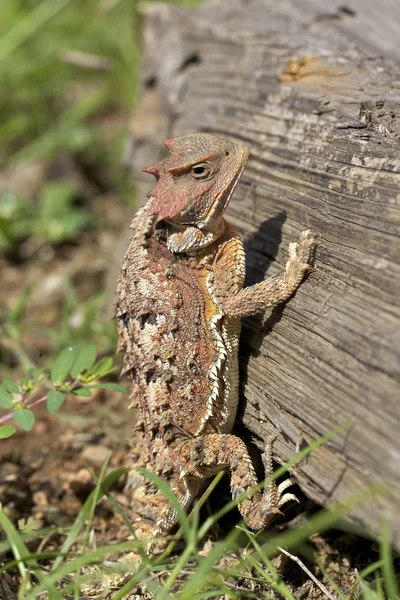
(297, 560)
(86, 60)
(11, 414)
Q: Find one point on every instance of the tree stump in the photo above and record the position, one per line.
(313, 89)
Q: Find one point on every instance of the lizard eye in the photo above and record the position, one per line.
(201, 171)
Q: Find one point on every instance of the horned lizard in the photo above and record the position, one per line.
(180, 301)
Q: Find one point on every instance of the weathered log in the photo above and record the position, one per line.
(313, 89)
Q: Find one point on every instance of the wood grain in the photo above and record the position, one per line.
(313, 89)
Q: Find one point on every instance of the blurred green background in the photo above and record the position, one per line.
(62, 64)
(68, 84)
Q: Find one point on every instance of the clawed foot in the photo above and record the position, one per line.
(302, 250)
(274, 495)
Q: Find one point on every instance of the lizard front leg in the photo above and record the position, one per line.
(209, 454)
(257, 298)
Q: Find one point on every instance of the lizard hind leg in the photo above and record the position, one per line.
(211, 453)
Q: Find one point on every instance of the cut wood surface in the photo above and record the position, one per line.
(313, 89)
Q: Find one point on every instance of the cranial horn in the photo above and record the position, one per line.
(168, 143)
(152, 170)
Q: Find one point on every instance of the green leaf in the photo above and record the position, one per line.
(103, 367)
(29, 525)
(25, 418)
(54, 401)
(10, 386)
(85, 360)
(24, 558)
(368, 594)
(388, 569)
(17, 544)
(31, 379)
(82, 391)
(6, 399)
(109, 386)
(33, 374)
(172, 499)
(63, 365)
(7, 431)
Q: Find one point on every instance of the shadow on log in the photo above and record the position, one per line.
(313, 89)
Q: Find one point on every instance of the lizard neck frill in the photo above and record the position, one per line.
(191, 239)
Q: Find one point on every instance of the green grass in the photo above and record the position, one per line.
(188, 575)
(63, 62)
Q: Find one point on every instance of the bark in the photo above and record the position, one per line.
(313, 89)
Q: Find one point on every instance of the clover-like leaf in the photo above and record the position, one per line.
(54, 401)
(82, 391)
(85, 360)
(10, 386)
(29, 525)
(103, 367)
(6, 399)
(63, 364)
(25, 418)
(33, 375)
(6, 431)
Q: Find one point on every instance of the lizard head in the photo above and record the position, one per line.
(195, 183)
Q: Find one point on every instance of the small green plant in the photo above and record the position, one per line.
(190, 575)
(52, 220)
(75, 371)
(78, 323)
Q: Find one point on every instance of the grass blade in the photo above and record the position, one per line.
(24, 558)
(84, 514)
(90, 558)
(29, 26)
(205, 566)
(172, 499)
(387, 563)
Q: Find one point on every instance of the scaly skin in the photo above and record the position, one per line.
(180, 301)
